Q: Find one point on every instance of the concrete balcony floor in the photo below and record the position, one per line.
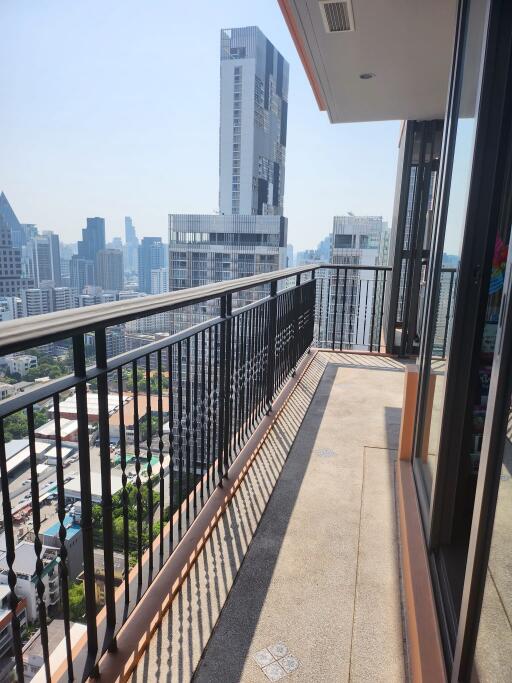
(300, 578)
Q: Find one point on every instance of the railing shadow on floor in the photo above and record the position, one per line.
(220, 567)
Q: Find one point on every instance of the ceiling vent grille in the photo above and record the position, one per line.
(337, 16)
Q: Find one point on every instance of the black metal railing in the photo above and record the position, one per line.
(350, 307)
(169, 420)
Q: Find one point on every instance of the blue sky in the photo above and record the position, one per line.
(111, 108)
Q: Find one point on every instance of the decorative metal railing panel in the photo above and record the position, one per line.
(156, 431)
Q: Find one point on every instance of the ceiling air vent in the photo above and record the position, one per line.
(337, 16)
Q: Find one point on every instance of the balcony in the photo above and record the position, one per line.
(271, 548)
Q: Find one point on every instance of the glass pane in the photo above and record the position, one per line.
(493, 657)
(445, 292)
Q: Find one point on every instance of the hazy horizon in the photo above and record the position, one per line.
(113, 110)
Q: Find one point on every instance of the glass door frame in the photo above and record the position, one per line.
(473, 278)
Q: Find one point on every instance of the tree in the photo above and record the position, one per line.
(77, 602)
(16, 427)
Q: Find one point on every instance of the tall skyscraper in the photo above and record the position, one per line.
(109, 269)
(357, 241)
(151, 256)
(131, 246)
(93, 239)
(43, 255)
(11, 220)
(250, 234)
(81, 273)
(253, 121)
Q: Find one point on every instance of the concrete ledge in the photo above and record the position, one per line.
(426, 659)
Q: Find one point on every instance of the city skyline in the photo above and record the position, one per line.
(127, 159)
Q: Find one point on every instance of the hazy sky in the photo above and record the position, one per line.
(111, 108)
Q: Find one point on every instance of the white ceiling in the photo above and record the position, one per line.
(407, 44)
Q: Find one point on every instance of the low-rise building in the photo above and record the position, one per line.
(27, 579)
(20, 363)
(6, 619)
(72, 544)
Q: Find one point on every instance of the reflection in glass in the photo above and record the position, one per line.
(435, 368)
(493, 657)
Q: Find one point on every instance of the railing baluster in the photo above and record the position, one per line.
(106, 489)
(209, 458)
(86, 503)
(203, 412)
(187, 426)
(343, 308)
(327, 307)
(161, 479)
(381, 315)
(124, 481)
(138, 481)
(271, 345)
(170, 364)
(335, 307)
(373, 310)
(180, 438)
(227, 388)
(149, 468)
(10, 557)
(216, 409)
(63, 553)
(194, 421)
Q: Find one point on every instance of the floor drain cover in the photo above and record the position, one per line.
(276, 662)
(325, 453)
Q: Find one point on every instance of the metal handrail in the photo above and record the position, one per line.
(17, 335)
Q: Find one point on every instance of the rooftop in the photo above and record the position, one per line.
(69, 523)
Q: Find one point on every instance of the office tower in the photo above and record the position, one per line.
(43, 256)
(151, 256)
(357, 241)
(253, 119)
(93, 241)
(36, 301)
(117, 243)
(93, 238)
(10, 261)
(250, 234)
(289, 255)
(81, 273)
(159, 281)
(12, 222)
(204, 249)
(61, 298)
(109, 269)
(11, 308)
(131, 246)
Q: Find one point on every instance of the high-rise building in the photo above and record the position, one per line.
(253, 120)
(81, 273)
(109, 269)
(159, 280)
(10, 262)
(131, 263)
(61, 298)
(357, 241)
(211, 248)
(36, 301)
(151, 256)
(93, 241)
(11, 220)
(43, 255)
(11, 308)
(250, 234)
